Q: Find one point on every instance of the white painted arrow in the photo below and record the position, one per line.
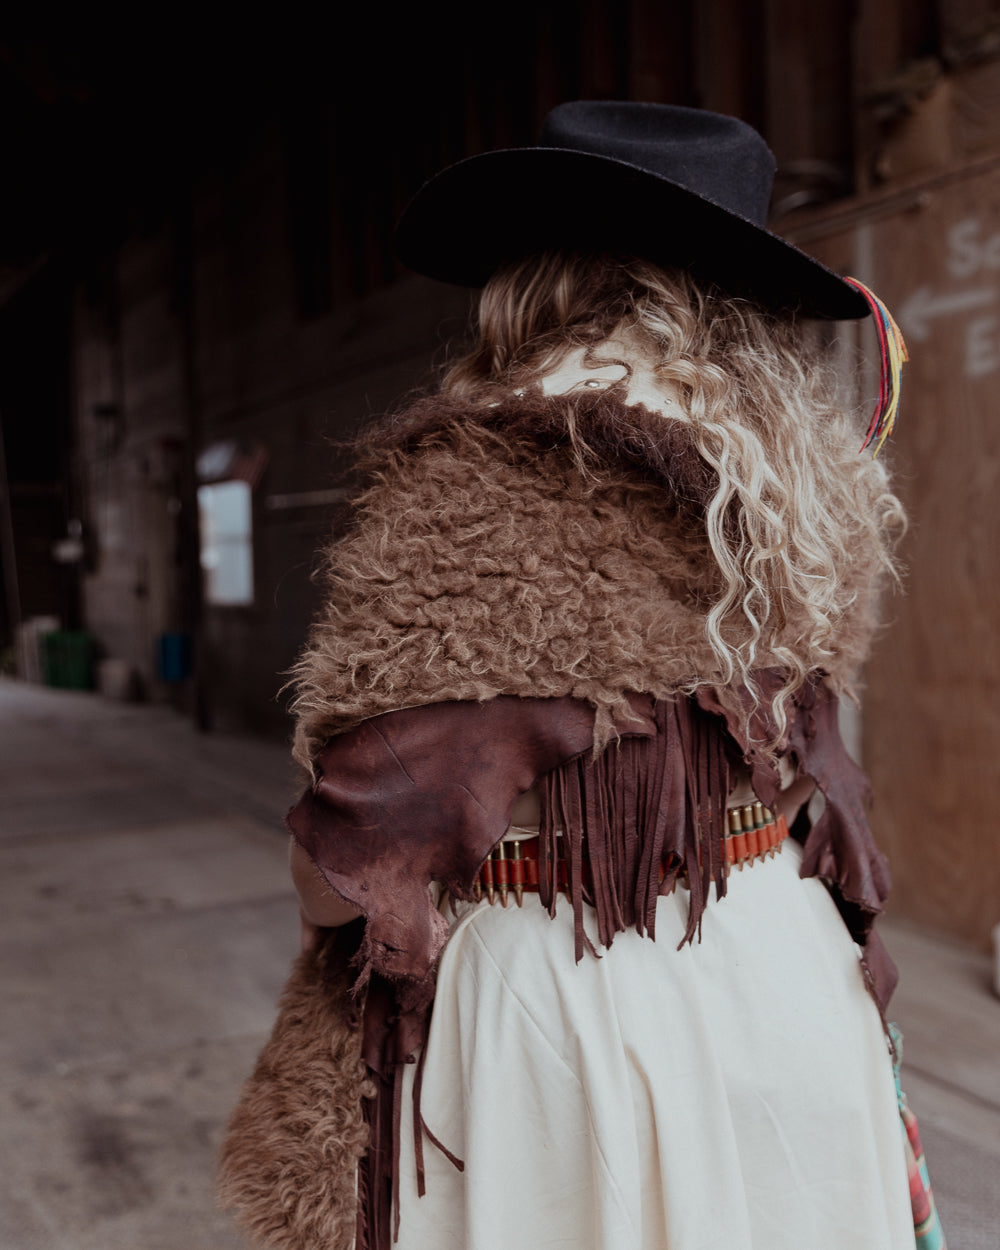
(918, 310)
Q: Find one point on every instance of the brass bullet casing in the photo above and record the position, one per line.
(500, 871)
(735, 839)
(517, 855)
(768, 818)
(750, 825)
(767, 831)
(487, 873)
(750, 813)
(738, 833)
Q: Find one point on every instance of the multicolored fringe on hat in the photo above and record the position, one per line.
(894, 355)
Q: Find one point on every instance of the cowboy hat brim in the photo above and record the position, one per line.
(486, 210)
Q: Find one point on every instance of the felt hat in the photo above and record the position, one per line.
(677, 186)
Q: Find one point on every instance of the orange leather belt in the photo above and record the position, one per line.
(512, 866)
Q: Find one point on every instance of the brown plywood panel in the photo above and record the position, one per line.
(932, 703)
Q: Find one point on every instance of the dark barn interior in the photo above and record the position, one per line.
(199, 306)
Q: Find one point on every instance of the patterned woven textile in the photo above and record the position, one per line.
(926, 1225)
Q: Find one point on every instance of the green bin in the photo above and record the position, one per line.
(68, 659)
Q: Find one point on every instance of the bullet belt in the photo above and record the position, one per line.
(753, 833)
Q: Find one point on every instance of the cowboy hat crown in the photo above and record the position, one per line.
(684, 188)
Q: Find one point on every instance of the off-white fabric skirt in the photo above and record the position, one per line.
(731, 1095)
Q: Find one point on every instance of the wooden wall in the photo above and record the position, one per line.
(931, 703)
(924, 231)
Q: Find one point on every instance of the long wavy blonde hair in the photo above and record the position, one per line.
(795, 504)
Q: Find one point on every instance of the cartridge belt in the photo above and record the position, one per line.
(752, 833)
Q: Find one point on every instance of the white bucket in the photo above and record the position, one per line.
(116, 680)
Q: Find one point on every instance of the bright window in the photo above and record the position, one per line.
(226, 516)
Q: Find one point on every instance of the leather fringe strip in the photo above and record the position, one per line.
(638, 815)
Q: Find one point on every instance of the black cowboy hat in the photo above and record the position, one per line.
(681, 187)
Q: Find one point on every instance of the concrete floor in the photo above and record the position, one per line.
(147, 925)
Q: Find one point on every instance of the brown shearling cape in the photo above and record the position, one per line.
(531, 547)
(524, 584)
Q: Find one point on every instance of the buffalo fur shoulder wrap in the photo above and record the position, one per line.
(531, 547)
(288, 1163)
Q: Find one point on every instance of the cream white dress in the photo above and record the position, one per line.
(736, 1094)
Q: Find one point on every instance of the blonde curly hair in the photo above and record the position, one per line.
(795, 502)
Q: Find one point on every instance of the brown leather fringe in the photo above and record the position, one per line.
(386, 1033)
(420, 1130)
(637, 814)
(393, 1039)
(707, 771)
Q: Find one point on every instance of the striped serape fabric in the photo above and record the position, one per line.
(926, 1225)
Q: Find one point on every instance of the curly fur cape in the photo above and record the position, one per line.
(526, 547)
(531, 547)
(288, 1163)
